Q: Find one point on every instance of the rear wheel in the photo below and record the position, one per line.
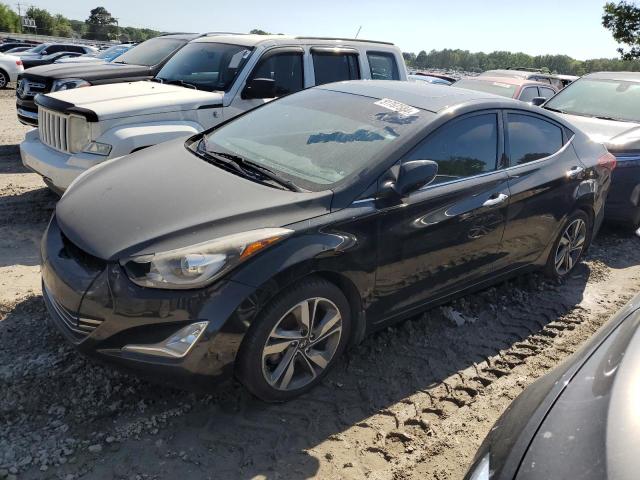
(4, 79)
(294, 341)
(569, 246)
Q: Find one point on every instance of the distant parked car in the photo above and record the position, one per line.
(567, 79)
(5, 47)
(103, 56)
(17, 50)
(606, 106)
(429, 79)
(10, 68)
(142, 62)
(516, 88)
(48, 49)
(580, 421)
(212, 79)
(527, 74)
(30, 62)
(262, 247)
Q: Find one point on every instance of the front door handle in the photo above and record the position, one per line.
(575, 172)
(496, 200)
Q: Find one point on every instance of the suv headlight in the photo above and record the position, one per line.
(68, 84)
(98, 148)
(199, 265)
(78, 133)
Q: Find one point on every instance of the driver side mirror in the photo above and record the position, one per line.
(44, 52)
(260, 88)
(537, 101)
(412, 176)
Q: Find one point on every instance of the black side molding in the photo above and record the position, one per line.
(64, 107)
(210, 105)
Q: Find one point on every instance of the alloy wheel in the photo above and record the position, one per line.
(3, 80)
(302, 344)
(570, 246)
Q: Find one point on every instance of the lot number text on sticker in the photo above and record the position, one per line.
(402, 108)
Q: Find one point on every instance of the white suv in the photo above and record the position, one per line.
(212, 79)
(10, 67)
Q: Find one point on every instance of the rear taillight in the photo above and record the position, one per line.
(608, 160)
(18, 62)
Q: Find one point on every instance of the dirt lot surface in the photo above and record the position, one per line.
(412, 402)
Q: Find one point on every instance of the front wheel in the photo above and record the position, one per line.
(293, 343)
(569, 246)
(4, 80)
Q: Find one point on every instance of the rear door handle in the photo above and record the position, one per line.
(575, 172)
(496, 200)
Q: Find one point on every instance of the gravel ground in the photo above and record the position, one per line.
(411, 402)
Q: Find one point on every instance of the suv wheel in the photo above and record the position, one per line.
(292, 344)
(569, 246)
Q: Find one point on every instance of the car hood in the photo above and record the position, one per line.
(90, 71)
(593, 432)
(118, 100)
(166, 197)
(615, 135)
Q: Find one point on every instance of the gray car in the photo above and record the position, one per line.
(581, 421)
(606, 106)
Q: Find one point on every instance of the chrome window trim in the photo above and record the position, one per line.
(540, 160)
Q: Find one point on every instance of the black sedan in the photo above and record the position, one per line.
(267, 245)
(580, 420)
(36, 61)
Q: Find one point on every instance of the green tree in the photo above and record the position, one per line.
(45, 23)
(257, 31)
(623, 20)
(9, 20)
(100, 25)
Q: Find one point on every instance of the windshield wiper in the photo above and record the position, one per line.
(255, 167)
(604, 117)
(182, 83)
(555, 110)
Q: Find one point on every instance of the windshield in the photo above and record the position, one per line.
(151, 52)
(110, 53)
(39, 48)
(616, 99)
(497, 88)
(205, 65)
(318, 138)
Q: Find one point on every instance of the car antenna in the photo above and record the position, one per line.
(358, 32)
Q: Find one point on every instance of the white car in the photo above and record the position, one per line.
(210, 80)
(10, 67)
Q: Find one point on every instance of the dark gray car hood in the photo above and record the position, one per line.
(166, 197)
(615, 135)
(593, 430)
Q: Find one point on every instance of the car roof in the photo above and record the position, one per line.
(251, 40)
(628, 76)
(430, 97)
(180, 36)
(509, 80)
(517, 73)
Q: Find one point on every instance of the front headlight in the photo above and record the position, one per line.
(199, 265)
(78, 133)
(482, 471)
(68, 84)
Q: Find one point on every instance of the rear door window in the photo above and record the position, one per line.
(335, 67)
(528, 94)
(531, 138)
(462, 148)
(383, 66)
(285, 68)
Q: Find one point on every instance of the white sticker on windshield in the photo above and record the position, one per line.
(503, 85)
(402, 108)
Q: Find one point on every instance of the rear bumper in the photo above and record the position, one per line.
(623, 201)
(99, 310)
(58, 169)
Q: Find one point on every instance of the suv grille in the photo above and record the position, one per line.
(28, 89)
(52, 128)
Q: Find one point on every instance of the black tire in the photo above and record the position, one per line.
(551, 269)
(4, 80)
(252, 371)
